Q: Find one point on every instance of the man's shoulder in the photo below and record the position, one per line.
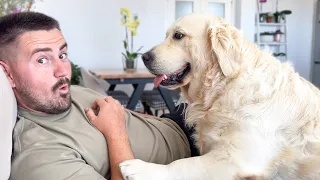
(79, 92)
(75, 89)
(83, 97)
(26, 134)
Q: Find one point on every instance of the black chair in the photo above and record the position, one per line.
(123, 98)
(152, 99)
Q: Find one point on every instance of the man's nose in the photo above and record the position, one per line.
(61, 68)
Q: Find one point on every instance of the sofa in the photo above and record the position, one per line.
(8, 115)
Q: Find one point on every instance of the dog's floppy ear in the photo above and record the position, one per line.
(223, 39)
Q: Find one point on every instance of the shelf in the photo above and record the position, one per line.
(272, 24)
(273, 43)
(265, 41)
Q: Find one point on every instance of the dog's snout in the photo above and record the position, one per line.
(148, 57)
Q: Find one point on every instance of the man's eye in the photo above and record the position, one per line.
(43, 61)
(63, 56)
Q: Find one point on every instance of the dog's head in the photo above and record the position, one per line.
(194, 45)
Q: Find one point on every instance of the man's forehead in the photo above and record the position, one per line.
(41, 37)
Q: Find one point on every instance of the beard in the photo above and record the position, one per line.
(53, 103)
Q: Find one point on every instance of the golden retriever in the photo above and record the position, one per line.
(255, 117)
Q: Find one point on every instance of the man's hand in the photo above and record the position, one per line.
(112, 124)
(110, 119)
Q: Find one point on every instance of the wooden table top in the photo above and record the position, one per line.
(121, 74)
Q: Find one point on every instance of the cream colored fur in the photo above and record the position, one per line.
(255, 117)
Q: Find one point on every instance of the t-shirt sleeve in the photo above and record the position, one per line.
(56, 162)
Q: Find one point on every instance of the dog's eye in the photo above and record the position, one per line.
(178, 35)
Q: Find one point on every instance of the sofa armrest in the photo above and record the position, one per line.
(8, 116)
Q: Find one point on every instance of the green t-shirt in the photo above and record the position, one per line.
(68, 146)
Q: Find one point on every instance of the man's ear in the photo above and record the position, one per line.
(224, 40)
(7, 72)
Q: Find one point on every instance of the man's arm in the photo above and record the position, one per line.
(119, 151)
(44, 161)
(111, 122)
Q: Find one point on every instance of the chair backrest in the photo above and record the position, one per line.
(8, 116)
(92, 82)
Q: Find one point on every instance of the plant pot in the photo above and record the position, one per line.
(266, 38)
(269, 19)
(263, 17)
(277, 17)
(129, 65)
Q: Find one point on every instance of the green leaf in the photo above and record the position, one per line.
(139, 48)
(134, 55)
(128, 54)
(76, 74)
(125, 55)
(125, 44)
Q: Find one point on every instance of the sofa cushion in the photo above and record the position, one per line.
(8, 115)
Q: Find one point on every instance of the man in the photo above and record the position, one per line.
(69, 132)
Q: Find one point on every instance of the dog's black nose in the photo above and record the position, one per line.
(148, 57)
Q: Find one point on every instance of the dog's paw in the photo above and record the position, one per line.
(140, 170)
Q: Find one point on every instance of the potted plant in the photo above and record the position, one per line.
(76, 74)
(277, 35)
(130, 56)
(7, 7)
(267, 36)
(270, 17)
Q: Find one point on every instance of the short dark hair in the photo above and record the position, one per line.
(13, 25)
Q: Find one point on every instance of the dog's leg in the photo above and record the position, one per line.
(303, 168)
(206, 167)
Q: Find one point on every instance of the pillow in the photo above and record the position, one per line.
(8, 115)
(90, 81)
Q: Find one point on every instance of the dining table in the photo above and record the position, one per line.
(138, 79)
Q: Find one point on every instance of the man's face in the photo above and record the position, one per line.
(41, 72)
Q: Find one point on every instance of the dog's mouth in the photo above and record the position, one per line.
(172, 79)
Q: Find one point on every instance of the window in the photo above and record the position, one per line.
(182, 8)
(217, 8)
(179, 8)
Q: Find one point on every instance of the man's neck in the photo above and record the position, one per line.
(22, 104)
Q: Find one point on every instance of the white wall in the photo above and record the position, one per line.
(95, 36)
(300, 33)
(245, 17)
(93, 32)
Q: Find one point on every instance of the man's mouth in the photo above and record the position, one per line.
(62, 86)
(172, 79)
(64, 89)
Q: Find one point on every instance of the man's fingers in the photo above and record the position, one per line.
(117, 102)
(90, 114)
(109, 99)
(94, 105)
(100, 102)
